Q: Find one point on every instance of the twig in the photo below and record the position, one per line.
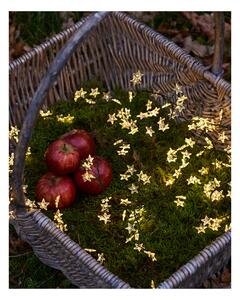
(19, 255)
(49, 278)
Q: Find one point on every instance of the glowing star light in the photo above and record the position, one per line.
(206, 220)
(88, 163)
(65, 119)
(149, 131)
(94, 92)
(133, 188)
(45, 114)
(154, 112)
(143, 115)
(171, 155)
(209, 144)
(170, 181)
(149, 105)
(59, 221)
(13, 133)
(209, 187)
(162, 125)
(200, 153)
(12, 215)
(180, 202)
(201, 229)
(203, 170)
(58, 216)
(105, 218)
(124, 176)
(217, 195)
(137, 78)
(130, 228)
(190, 142)
(43, 204)
(57, 201)
(228, 194)
(125, 124)
(178, 89)
(166, 105)
(101, 258)
(130, 169)
(186, 154)
(220, 114)
(134, 129)
(123, 149)
(90, 250)
(222, 137)
(112, 118)
(90, 101)
(117, 101)
(217, 164)
(151, 255)
(153, 286)
(139, 247)
(11, 162)
(124, 214)
(177, 173)
(107, 96)
(130, 96)
(118, 142)
(227, 227)
(215, 224)
(193, 180)
(79, 94)
(30, 204)
(143, 177)
(87, 176)
(125, 201)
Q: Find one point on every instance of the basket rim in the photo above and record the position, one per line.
(174, 280)
(71, 246)
(44, 45)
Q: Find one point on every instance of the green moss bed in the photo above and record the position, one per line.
(166, 229)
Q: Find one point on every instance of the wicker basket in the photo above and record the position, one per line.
(109, 47)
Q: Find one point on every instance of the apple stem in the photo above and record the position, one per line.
(64, 147)
(53, 180)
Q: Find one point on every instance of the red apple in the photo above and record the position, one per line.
(62, 158)
(50, 186)
(82, 140)
(102, 172)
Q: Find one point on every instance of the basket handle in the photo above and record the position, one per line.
(219, 44)
(37, 101)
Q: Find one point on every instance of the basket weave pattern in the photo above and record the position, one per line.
(117, 47)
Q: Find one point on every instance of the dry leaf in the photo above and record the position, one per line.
(226, 276)
(187, 44)
(201, 50)
(205, 23)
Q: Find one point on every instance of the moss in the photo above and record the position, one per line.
(166, 229)
(33, 274)
(35, 26)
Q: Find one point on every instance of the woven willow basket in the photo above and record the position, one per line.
(109, 47)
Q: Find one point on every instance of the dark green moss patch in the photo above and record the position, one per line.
(167, 230)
